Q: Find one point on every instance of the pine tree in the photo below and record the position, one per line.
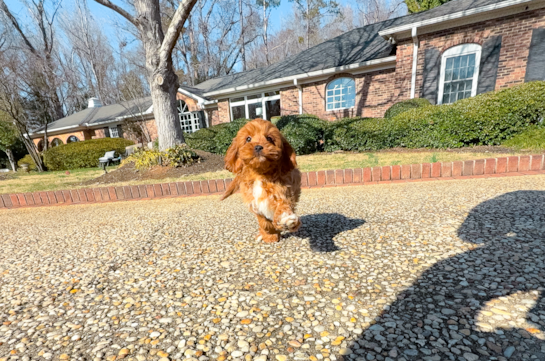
(416, 6)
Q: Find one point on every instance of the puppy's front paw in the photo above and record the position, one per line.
(289, 222)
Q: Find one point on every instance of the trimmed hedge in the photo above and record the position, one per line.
(83, 154)
(305, 133)
(27, 159)
(405, 105)
(216, 139)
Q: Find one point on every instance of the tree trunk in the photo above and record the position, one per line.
(162, 78)
(265, 23)
(308, 25)
(11, 159)
(243, 47)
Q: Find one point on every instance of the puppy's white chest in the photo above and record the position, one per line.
(261, 204)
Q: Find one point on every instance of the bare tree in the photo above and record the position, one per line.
(374, 11)
(158, 48)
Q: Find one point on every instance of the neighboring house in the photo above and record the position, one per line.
(451, 52)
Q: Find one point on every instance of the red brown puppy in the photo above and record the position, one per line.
(267, 176)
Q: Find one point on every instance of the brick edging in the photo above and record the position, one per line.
(480, 168)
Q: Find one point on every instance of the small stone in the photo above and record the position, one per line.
(281, 357)
(470, 356)
(509, 351)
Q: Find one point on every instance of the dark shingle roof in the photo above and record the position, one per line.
(356, 46)
(108, 113)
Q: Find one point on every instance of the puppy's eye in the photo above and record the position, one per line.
(269, 139)
(248, 140)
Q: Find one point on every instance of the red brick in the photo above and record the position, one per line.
(28, 197)
(330, 177)
(405, 171)
(490, 166)
(358, 175)
(59, 196)
(339, 176)
(501, 165)
(96, 194)
(105, 196)
(512, 164)
(142, 191)
(537, 160)
(2, 205)
(189, 186)
(367, 175)
(221, 185)
(181, 188)
(426, 170)
(348, 176)
(150, 190)
(14, 200)
(396, 172)
(304, 179)
(312, 179)
(204, 187)
(157, 190)
(82, 195)
(135, 192)
(67, 197)
(321, 178)
(37, 198)
(120, 194)
(45, 198)
(22, 200)
(89, 194)
(375, 174)
(446, 169)
(468, 167)
(7, 200)
(166, 189)
(213, 187)
(51, 197)
(457, 168)
(416, 171)
(478, 168)
(436, 170)
(112, 193)
(197, 187)
(127, 192)
(524, 163)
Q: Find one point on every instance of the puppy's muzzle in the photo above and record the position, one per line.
(258, 149)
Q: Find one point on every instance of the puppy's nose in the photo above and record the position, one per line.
(258, 148)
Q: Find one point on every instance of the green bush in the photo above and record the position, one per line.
(216, 139)
(305, 133)
(533, 138)
(178, 156)
(27, 159)
(405, 105)
(83, 154)
(360, 134)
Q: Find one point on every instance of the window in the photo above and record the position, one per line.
(56, 142)
(72, 139)
(459, 73)
(340, 94)
(261, 105)
(189, 121)
(114, 132)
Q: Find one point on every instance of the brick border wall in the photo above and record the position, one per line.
(480, 168)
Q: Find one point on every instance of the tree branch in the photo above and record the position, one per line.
(15, 23)
(118, 10)
(174, 29)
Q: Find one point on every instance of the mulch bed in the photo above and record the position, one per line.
(209, 163)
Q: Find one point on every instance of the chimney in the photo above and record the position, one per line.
(94, 103)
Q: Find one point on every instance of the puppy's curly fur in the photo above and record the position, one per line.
(266, 173)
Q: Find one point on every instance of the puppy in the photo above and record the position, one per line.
(266, 174)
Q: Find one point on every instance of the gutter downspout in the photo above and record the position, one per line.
(300, 89)
(415, 61)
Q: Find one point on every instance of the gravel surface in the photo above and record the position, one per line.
(419, 271)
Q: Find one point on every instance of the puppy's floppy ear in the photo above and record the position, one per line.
(232, 163)
(288, 161)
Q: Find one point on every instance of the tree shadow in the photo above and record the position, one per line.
(447, 314)
(321, 229)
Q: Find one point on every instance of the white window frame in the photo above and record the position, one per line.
(456, 51)
(333, 96)
(110, 129)
(247, 101)
(185, 115)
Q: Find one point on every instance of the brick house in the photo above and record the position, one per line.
(454, 51)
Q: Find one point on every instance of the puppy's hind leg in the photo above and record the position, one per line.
(267, 232)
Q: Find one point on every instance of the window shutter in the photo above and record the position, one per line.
(107, 132)
(120, 131)
(488, 69)
(535, 69)
(202, 119)
(432, 70)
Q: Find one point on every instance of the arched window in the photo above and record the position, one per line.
(189, 121)
(56, 142)
(72, 139)
(459, 73)
(40, 145)
(340, 94)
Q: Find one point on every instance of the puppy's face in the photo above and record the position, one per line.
(260, 146)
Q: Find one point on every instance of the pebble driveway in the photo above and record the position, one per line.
(420, 271)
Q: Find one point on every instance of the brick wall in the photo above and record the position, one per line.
(516, 32)
(213, 116)
(289, 101)
(224, 115)
(81, 135)
(192, 104)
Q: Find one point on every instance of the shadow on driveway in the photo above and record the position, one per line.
(321, 228)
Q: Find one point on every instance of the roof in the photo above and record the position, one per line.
(101, 115)
(356, 46)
